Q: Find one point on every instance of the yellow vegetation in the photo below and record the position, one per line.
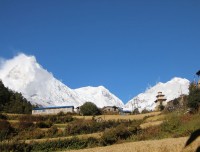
(116, 117)
(164, 145)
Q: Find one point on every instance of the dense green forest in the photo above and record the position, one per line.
(13, 102)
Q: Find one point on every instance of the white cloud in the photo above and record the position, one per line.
(2, 61)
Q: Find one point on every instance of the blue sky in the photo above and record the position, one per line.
(124, 45)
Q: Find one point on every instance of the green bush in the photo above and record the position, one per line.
(2, 116)
(51, 132)
(171, 124)
(148, 134)
(42, 124)
(194, 98)
(145, 111)
(109, 137)
(15, 146)
(136, 111)
(89, 109)
(112, 135)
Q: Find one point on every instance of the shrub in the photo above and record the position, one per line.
(61, 113)
(26, 123)
(52, 131)
(5, 129)
(161, 107)
(136, 111)
(194, 98)
(89, 108)
(111, 136)
(147, 134)
(171, 124)
(30, 134)
(2, 116)
(46, 124)
(15, 146)
(145, 111)
(122, 132)
(36, 134)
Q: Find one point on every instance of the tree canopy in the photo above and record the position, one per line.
(194, 97)
(89, 108)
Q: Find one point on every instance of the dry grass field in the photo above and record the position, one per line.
(116, 117)
(164, 145)
(156, 118)
(95, 135)
(149, 124)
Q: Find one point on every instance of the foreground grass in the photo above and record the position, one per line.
(155, 127)
(163, 145)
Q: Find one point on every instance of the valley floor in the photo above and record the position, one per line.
(163, 145)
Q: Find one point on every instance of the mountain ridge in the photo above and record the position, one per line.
(24, 74)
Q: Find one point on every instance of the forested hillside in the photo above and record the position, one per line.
(13, 102)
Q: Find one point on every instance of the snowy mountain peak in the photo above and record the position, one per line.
(171, 89)
(101, 95)
(23, 74)
(19, 71)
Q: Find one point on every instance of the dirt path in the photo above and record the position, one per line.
(164, 145)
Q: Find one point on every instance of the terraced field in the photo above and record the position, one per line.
(164, 145)
(116, 117)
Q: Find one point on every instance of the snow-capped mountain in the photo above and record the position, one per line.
(23, 74)
(171, 89)
(102, 97)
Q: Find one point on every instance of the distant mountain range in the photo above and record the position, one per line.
(23, 74)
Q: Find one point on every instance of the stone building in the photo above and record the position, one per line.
(113, 109)
(52, 110)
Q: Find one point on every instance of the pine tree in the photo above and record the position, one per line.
(13, 102)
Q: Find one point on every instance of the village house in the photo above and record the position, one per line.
(52, 110)
(113, 109)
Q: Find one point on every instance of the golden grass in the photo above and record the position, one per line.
(116, 117)
(156, 118)
(13, 121)
(164, 145)
(61, 125)
(95, 135)
(150, 124)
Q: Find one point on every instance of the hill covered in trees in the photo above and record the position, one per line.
(13, 102)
